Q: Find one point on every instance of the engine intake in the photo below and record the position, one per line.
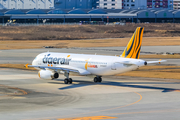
(47, 74)
(56, 75)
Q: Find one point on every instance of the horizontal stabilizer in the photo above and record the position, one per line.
(154, 62)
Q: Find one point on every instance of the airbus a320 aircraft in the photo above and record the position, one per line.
(51, 64)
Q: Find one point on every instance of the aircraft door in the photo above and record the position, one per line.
(39, 62)
(113, 66)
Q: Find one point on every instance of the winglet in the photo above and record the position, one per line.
(26, 66)
(159, 61)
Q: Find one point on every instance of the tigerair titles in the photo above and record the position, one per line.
(55, 60)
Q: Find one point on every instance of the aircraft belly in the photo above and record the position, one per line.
(126, 69)
(99, 71)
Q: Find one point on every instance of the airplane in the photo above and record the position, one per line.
(51, 64)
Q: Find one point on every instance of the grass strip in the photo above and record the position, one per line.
(111, 42)
(164, 72)
(154, 56)
(16, 66)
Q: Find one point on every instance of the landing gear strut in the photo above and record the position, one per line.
(97, 79)
(67, 79)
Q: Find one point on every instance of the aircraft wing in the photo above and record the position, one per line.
(63, 68)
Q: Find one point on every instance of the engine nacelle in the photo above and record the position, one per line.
(47, 74)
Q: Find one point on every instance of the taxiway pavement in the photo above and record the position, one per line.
(120, 98)
(27, 55)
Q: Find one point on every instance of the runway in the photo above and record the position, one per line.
(27, 55)
(26, 97)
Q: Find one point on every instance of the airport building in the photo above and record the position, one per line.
(148, 4)
(89, 4)
(89, 15)
(26, 4)
(74, 4)
(176, 4)
(160, 4)
(134, 4)
(109, 4)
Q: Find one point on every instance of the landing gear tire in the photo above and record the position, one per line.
(70, 81)
(99, 79)
(95, 79)
(66, 81)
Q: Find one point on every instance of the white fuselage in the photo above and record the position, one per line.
(93, 64)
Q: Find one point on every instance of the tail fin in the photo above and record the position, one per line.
(134, 46)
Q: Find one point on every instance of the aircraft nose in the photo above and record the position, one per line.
(34, 62)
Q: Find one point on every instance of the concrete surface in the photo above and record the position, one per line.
(121, 98)
(27, 55)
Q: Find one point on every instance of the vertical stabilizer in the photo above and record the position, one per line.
(134, 46)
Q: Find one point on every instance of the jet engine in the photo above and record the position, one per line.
(47, 74)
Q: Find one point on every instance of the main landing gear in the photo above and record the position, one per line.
(67, 79)
(97, 79)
